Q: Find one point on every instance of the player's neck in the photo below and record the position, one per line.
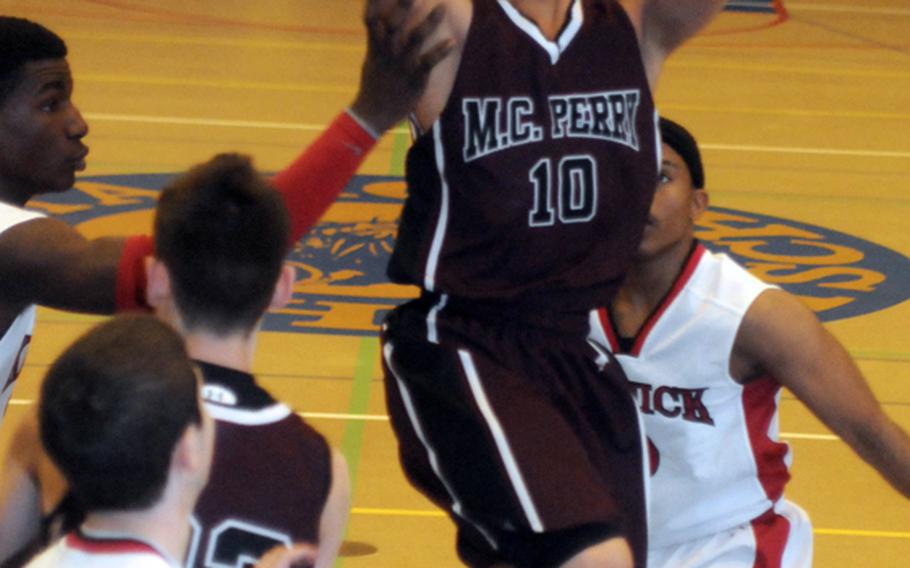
(549, 15)
(232, 351)
(156, 527)
(13, 194)
(649, 280)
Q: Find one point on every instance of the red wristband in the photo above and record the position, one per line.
(313, 181)
(131, 282)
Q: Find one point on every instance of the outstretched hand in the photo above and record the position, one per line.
(398, 62)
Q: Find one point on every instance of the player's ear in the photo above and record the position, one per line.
(284, 288)
(699, 203)
(158, 282)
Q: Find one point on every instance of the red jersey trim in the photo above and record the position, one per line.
(684, 276)
(771, 533)
(92, 545)
(759, 406)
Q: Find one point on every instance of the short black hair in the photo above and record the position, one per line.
(23, 41)
(222, 231)
(113, 407)
(681, 140)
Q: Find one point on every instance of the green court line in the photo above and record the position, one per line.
(352, 442)
(401, 141)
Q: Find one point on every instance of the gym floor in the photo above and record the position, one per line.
(801, 111)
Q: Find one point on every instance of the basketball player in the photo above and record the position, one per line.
(121, 416)
(221, 236)
(536, 137)
(709, 394)
(44, 261)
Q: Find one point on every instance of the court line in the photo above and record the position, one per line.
(359, 417)
(174, 120)
(173, 16)
(377, 511)
(303, 46)
(808, 151)
(221, 84)
(874, 10)
(362, 397)
(864, 115)
(352, 440)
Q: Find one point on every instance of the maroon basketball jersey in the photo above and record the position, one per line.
(535, 183)
(270, 476)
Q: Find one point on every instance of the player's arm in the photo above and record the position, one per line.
(663, 25)
(782, 337)
(20, 493)
(400, 57)
(45, 261)
(334, 518)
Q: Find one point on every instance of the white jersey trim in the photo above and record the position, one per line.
(268, 415)
(429, 282)
(553, 48)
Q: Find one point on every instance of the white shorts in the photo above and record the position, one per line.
(781, 538)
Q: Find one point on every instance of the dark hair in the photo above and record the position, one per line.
(23, 41)
(681, 140)
(113, 407)
(222, 232)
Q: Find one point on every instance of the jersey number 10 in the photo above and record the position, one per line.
(569, 194)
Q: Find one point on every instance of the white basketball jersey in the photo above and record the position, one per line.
(715, 442)
(14, 343)
(78, 550)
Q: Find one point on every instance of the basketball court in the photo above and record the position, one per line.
(801, 109)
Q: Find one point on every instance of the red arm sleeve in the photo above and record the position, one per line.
(313, 181)
(131, 283)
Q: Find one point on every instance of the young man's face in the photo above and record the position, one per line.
(41, 133)
(674, 209)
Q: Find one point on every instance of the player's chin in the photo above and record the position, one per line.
(63, 182)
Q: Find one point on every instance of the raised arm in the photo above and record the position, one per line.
(400, 56)
(664, 25)
(782, 337)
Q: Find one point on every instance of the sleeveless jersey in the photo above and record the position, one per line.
(14, 343)
(535, 182)
(270, 475)
(715, 442)
(78, 550)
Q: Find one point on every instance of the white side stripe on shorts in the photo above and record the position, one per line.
(432, 330)
(431, 454)
(502, 444)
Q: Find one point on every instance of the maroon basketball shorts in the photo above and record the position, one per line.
(514, 429)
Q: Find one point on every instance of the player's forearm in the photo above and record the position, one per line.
(671, 22)
(886, 447)
(313, 181)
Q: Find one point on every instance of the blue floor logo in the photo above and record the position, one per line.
(342, 288)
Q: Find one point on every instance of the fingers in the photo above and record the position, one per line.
(425, 28)
(388, 31)
(282, 557)
(434, 55)
(386, 26)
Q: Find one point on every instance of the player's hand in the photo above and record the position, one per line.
(398, 61)
(298, 556)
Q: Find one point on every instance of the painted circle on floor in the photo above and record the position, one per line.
(342, 288)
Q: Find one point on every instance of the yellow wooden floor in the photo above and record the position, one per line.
(803, 117)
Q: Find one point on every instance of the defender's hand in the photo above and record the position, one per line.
(398, 62)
